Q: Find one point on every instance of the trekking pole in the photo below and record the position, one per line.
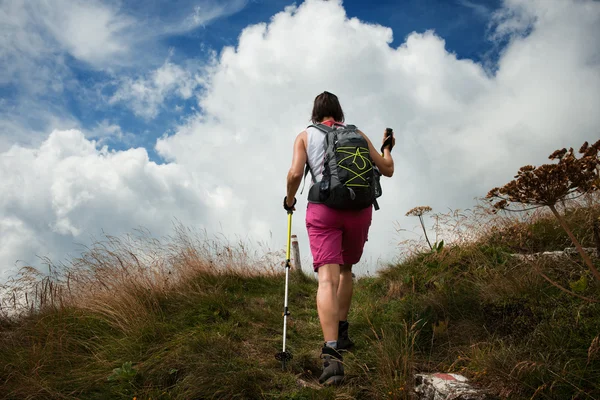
(285, 356)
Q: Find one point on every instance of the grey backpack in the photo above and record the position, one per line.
(350, 178)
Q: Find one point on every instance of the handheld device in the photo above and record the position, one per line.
(388, 134)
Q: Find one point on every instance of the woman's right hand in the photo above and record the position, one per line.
(385, 164)
(388, 141)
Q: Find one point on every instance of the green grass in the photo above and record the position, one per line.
(116, 325)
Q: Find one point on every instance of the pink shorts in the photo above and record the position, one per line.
(336, 236)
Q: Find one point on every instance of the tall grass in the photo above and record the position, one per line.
(117, 270)
(503, 320)
(193, 317)
(125, 299)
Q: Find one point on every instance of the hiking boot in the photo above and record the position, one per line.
(344, 342)
(333, 368)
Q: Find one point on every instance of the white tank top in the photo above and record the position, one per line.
(315, 152)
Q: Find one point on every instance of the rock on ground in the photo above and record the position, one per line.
(446, 387)
(568, 252)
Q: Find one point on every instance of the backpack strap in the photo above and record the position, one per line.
(322, 127)
(327, 128)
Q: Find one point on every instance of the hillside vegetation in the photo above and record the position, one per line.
(192, 318)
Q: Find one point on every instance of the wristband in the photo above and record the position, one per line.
(285, 204)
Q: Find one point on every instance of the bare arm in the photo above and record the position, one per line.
(385, 163)
(294, 177)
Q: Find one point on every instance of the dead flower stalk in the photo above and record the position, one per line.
(549, 184)
(418, 212)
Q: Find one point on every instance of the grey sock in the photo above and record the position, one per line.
(332, 344)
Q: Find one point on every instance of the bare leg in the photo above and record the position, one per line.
(344, 292)
(327, 300)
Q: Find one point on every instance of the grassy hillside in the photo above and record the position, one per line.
(195, 319)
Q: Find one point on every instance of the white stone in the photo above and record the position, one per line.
(568, 252)
(440, 386)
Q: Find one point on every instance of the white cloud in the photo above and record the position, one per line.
(38, 41)
(69, 189)
(460, 131)
(28, 123)
(209, 11)
(40, 34)
(516, 18)
(145, 96)
(105, 133)
(90, 31)
(479, 9)
(100, 33)
(35, 40)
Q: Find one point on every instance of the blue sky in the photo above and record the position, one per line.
(117, 114)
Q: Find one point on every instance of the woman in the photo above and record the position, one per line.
(336, 237)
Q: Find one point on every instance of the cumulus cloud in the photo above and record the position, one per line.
(28, 123)
(70, 189)
(107, 133)
(145, 95)
(460, 128)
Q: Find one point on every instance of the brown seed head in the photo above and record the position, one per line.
(558, 154)
(549, 183)
(418, 211)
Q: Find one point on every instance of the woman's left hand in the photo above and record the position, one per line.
(287, 206)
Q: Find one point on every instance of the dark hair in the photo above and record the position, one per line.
(327, 105)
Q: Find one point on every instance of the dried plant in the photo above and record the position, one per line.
(594, 349)
(109, 276)
(549, 184)
(418, 212)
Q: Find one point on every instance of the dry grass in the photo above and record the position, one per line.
(190, 316)
(62, 333)
(110, 275)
